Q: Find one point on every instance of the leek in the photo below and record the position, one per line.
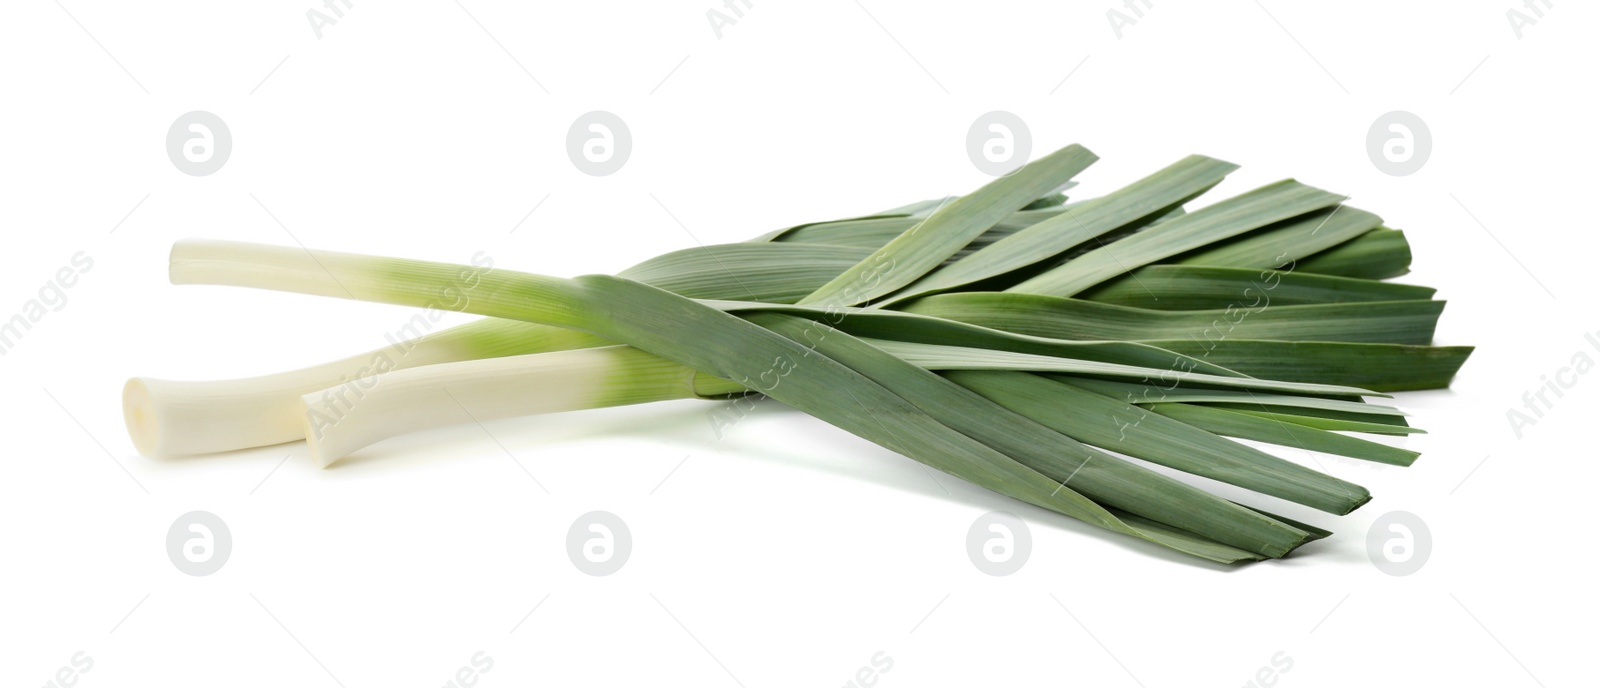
(1003, 337)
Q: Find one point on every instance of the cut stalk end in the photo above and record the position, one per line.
(140, 414)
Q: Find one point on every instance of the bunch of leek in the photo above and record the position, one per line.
(1005, 337)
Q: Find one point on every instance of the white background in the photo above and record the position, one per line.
(787, 553)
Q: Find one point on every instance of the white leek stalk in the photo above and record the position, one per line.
(344, 419)
(176, 418)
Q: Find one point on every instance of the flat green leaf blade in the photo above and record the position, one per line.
(1187, 542)
(925, 246)
(1275, 431)
(1381, 425)
(873, 232)
(1147, 198)
(1378, 367)
(1237, 215)
(1105, 422)
(777, 273)
(841, 380)
(1308, 415)
(1286, 242)
(1145, 394)
(1379, 254)
(1395, 322)
(910, 327)
(935, 357)
(1190, 287)
(1013, 223)
(1106, 479)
